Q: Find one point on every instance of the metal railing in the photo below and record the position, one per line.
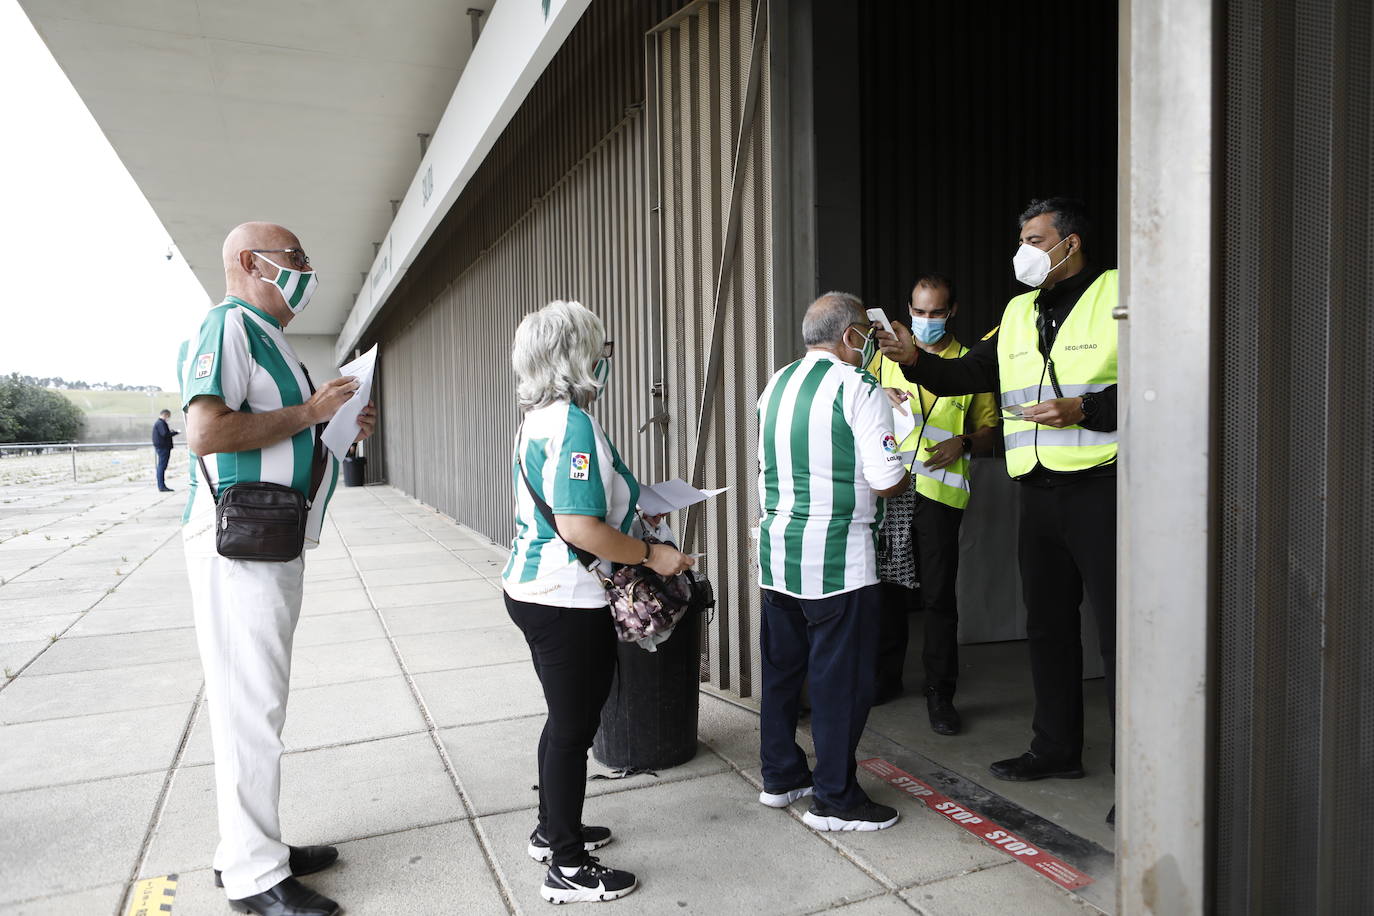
(11, 449)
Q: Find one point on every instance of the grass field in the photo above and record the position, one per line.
(92, 466)
(123, 403)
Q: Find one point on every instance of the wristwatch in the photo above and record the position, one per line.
(1091, 401)
(968, 442)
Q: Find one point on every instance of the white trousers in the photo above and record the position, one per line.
(246, 613)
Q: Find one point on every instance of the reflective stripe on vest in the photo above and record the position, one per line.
(949, 485)
(1084, 355)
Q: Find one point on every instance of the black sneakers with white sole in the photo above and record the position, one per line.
(868, 816)
(785, 797)
(591, 883)
(592, 838)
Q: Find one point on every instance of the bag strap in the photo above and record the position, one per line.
(319, 460)
(587, 558)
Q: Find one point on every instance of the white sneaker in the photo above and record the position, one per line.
(784, 798)
(592, 883)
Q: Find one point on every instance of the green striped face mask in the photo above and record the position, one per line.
(296, 286)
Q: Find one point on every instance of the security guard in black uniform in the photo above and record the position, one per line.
(1053, 362)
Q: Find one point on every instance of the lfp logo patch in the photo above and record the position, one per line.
(889, 443)
(204, 363)
(580, 466)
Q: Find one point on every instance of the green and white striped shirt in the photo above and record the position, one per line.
(577, 471)
(825, 444)
(241, 355)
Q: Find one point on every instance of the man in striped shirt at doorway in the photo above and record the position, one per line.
(827, 457)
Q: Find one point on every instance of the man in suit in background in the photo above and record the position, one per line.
(162, 444)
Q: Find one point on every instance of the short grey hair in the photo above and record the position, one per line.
(553, 354)
(828, 316)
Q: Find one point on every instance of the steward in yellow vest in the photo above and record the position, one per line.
(935, 435)
(1053, 364)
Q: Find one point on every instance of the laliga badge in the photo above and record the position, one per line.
(889, 443)
(204, 363)
(580, 466)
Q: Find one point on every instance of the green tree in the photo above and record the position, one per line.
(30, 413)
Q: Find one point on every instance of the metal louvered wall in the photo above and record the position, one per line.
(591, 194)
(1295, 633)
(705, 64)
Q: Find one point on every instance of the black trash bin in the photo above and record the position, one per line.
(649, 721)
(355, 471)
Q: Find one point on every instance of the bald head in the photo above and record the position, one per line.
(827, 318)
(248, 236)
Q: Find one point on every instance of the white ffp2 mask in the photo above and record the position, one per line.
(1032, 265)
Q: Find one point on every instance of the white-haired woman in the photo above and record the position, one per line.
(563, 460)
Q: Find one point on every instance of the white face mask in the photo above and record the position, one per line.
(296, 286)
(1032, 265)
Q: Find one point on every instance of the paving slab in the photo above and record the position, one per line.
(324, 629)
(453, 570)
(107, 621)
(463, 648)
(104, 899)
(469, 695)
(334, 600)
(890, 904)
(15, 655)
(338, 663)
(394, 596)
(512, 744)
(34, 697)
(329, 795)
(674, 836)
(74, 838)
(36, 627)
(58, 751)
(992, 890)
(89, 653)
(480, 608)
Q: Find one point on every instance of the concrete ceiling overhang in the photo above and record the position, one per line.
(303, 113)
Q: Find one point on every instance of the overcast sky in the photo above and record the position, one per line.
(87, 255)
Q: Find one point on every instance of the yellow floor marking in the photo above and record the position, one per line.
(153, 896)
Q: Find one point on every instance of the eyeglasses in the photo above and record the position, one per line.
(608, 349)
(297, 257)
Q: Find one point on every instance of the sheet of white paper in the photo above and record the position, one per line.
(343, 429)
(671, 495)
(904, 423)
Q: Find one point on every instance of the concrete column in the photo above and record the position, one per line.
(1168, 233)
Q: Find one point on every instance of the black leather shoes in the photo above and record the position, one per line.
(289, 898)
(305, 860)
(944, 718)
(1029, 766)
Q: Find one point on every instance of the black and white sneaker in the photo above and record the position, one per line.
(591, 883)
(784, 797)
(592, 838)
(868, 816)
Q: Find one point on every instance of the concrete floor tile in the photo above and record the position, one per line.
(325, 629)
(448, 571)
(15, 655)
(482, 607)
(463, 648)
(512, 745)
(334, 600)
(339, 663)
(394, 596)
(78, 693)
(33, 629)
(104, 899)
(90, 747)
(107, 621)
(673, 834)
(734, 732)
(990, 890)
(329, 795)
(470, 695)
(370, 554)
(73, 838)
(89, 653)
(889, 904)
(424, 556)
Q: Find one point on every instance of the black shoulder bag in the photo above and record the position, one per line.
(257, 520)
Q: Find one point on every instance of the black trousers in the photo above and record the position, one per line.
(834, 642)
(935, 535)
(935, 540)
(574, 652)
(1067, 548)
(163, 456)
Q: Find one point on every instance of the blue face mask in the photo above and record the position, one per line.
(928, 330)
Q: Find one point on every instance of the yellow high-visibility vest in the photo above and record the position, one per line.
(948, 485)
(1084, 358)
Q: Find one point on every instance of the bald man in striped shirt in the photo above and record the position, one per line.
(254, 416)
(827, 457)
